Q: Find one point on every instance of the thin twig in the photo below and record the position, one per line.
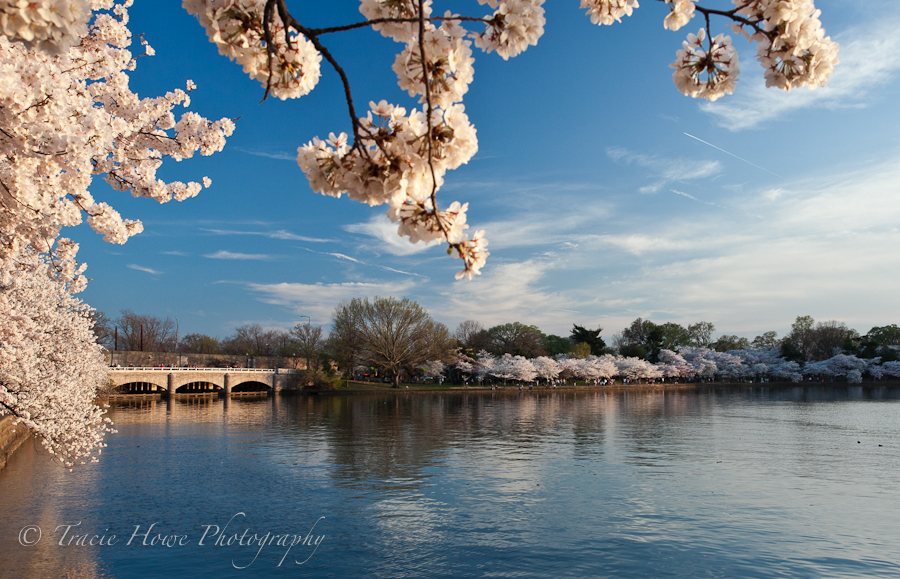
(270, 46)
(434, 207)
(367, 23)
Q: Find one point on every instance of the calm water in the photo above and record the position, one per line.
(752, 483)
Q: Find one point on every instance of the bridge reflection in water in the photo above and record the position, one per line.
(157, 382)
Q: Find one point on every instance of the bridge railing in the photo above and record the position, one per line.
(169, 369)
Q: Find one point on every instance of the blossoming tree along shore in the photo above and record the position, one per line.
(67, 114)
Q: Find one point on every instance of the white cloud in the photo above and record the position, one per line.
(280, 234)
(318, 300)
(346, 257)
(278, 155)
(652, 188)
(677, 192)
(381, 228)
(825, 247)
(639, 243)
(869, 57)
(222, 254)
(560, 222)
(141, 268)
(508, 292)
(665, 170)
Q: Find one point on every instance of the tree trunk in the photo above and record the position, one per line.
(396, 381)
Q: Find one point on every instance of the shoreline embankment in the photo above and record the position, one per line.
(11, 437)
(356, 388)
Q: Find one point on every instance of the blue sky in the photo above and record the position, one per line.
(605, 193)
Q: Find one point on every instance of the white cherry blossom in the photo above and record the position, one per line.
(605, 12)
(681, 13)
(514, 26)
(709, 72)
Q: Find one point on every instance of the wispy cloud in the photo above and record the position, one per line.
(665, 169)
(280, 234)
(691, 197)
(318, 300)
(222, 254)
(639, 243)
(381, 228)
(507, 292)
(176, 252)
(677, 192)
(344, 257)
(278, 155)
(869, 57)
(653, 187)
(142, 268)
(731, 154)
(561, 222)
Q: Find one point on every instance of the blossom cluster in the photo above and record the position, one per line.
(605, 12)
(708, 73)
(50, 25)
(448, 59)
(407, 11)
(514, 26)
(681, 11)
(236, 28)
(50, 364)
(793, 47)
(66, 118)
(390, 164)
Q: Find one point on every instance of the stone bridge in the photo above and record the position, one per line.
(149, 380)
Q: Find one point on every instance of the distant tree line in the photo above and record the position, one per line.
(397, 339)
(808, 340)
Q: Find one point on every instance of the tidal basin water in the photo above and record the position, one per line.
(755, 482)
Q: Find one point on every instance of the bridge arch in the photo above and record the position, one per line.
(197, 380)
(139, 388)
(251, 386)
(198, 387)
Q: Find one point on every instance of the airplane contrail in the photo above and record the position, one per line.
(733, 155)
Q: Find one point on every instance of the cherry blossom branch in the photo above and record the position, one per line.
(289, 20)
(368, 23)
(430, 111)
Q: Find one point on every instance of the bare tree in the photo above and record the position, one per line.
(832, 337)
(310, 344)
(467, 330)
(394, 335)
(344, 344)
(145, 333)
(198, 344)
(701, 334)
(103, 329)
(766, 341)
(727, 343)
(517, 339)
(254, 340)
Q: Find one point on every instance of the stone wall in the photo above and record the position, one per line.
(10, 440)
(126, 358)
